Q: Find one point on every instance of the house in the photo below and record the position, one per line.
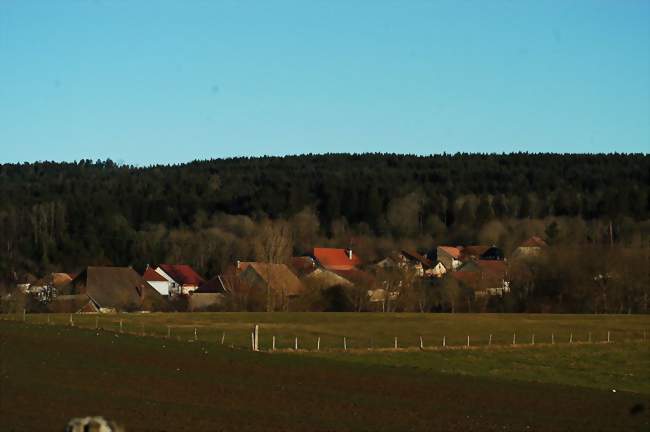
(303, 265)
(438, 270)
(183, 279)
(209, 294)
(473, 252)
(282, 283)
(421, 265)
(324, 279)
(532, 247)
(485, 277)
(157, 281)
(106, 289)
(449, 256)
(336, 259)
(45, 289)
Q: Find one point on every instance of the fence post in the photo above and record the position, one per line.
(318, 344)
(257, 337)
(532, 340)
(514, 338)
(295, 343)
(395, 342)
(223, 337)
(273, 344)
(345, 344)
(444, 341)
(571, 338)
(467, 341)
(169, 332)
(490, 341)
(552, 338)
(608, 340)
(252, 341)
(71, 321)
(196, 336)
(421, 343)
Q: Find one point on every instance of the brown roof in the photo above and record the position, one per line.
(474, 251)
(426, 262)
(489, 272)
(357, 277)
(277, 276)
(534, 241)
(57, 280)
(303, 265)
(120, 288)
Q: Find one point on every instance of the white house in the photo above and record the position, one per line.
(157, 281)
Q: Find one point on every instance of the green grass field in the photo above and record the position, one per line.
(155, 383)
(365, 330)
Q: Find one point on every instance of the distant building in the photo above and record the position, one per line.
(45, 289)
(336, 259)
(449, 256)
(532, 247)
(157, 281)
(183, 279)
(106, 289)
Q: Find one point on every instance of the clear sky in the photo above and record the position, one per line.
(149, 81)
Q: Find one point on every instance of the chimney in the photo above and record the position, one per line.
(238, 264)
(350, 254)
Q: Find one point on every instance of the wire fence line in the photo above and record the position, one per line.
(258, 338)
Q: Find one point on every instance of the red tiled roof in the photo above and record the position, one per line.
(534, 241)
(336, 259)
(451, 250)
(182, 274)
(150, 275)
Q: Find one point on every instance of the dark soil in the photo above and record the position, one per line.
(50, 374)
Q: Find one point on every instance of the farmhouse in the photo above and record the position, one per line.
(485, 277)
(45, 289)
(183, 279)
(209, 294)
(532, 247)
(336, 259)
(106, 289)
(157, 281)
(324, 279)
(449, 256)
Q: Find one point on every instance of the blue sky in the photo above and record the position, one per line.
(170, 81)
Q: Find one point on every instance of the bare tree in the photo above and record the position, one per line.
(273, 245)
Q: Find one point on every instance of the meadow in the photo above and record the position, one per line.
(364, 331)
(155, 382)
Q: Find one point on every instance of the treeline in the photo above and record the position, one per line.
(63, 216)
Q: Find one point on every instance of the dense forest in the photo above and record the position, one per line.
(63, 216)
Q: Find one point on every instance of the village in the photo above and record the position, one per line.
(479, 271)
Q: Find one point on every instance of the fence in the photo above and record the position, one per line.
(259, 338)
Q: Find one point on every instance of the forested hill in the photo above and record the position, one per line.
(54, 213)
